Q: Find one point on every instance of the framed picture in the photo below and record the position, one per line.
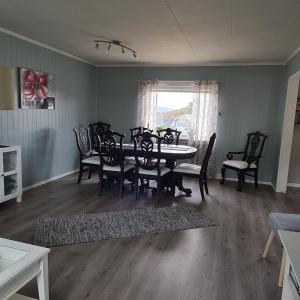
(37, 89)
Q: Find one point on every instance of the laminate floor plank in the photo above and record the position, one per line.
(217, 263)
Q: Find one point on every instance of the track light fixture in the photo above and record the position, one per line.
(116, 43)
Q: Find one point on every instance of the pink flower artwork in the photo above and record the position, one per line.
(34, 85)
(36, 89)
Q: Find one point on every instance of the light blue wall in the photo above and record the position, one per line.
(249, 100)
(46, 137)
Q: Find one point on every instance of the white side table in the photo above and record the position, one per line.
(19, 263)
(291, 284)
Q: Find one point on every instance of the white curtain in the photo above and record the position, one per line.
(147, 103)
(204, 120)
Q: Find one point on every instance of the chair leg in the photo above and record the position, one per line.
(256, 178)
(90, 172)
(80, 173)
(240, 181)
(223, 171)
(136, 185)
(158, 189)
(121, 185)
(100, 182)
(201, 189)
(205, 185)
(282, 268)
(243, 178)
(268, 245)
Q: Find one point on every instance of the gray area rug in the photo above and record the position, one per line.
(66, 230)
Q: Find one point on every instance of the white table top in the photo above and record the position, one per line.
(168, 148)
(291, 244)
(30, 255)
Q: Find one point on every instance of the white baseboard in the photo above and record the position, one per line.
(293, 184)
(219, 176)
(48, 180)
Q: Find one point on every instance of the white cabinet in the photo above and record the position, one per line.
(10, 173)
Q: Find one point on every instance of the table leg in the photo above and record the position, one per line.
(177, 181)
(42, 280)
(180, 187)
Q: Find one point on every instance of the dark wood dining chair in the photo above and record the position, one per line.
(138, 130)
(249, 164)
(192, 170)
(98, 128)
(169, 136)
(112, 160)
(133, 133)
(84, 145)
(147, 156)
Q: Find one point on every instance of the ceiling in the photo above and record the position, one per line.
(163, 32)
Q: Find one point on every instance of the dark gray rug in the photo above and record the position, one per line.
(66, 230)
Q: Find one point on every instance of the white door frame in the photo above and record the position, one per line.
(287, 132)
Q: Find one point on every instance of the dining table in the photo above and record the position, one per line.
(171, 153)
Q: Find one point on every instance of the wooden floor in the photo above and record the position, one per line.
(221, 262)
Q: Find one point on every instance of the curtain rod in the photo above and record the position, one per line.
(140, 80)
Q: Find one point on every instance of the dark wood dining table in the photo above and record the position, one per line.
(171, 153)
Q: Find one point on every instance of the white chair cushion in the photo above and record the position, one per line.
(117, 168)
(94, 160)
(131, 160)
(163, 171)
(239, 164)
(188, 169)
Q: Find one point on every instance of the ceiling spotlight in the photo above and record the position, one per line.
(116, 43)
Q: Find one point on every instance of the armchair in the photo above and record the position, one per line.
(249, 164)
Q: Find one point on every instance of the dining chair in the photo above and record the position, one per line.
(98, 128)
(169, 135)
(86, 158)
(192, 170)
(249, 162)
(147, 149)
(133, 133)
(112, 160)
(138, 130)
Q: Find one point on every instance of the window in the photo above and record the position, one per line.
(188, 106)
(174, 110)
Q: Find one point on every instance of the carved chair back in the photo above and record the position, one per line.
(254, 147)
(111, 148)
(98, 128)
(147, 149)
(83, 141)
(138, 130)
(169, 136)
(208, 154)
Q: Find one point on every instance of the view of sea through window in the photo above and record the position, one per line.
(174, 110)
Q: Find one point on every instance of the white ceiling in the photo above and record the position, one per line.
(163, 32)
